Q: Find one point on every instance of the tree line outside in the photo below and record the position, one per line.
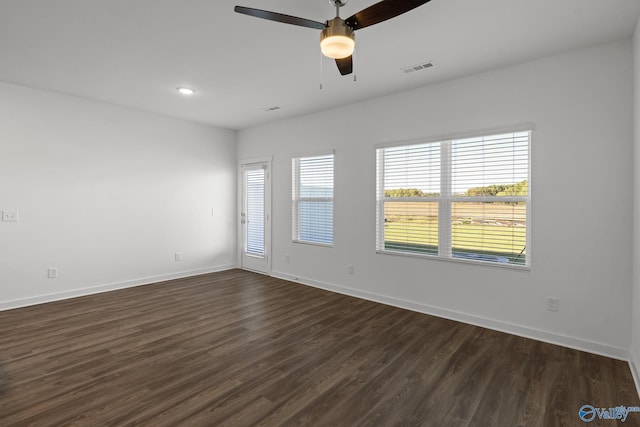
(499, 190)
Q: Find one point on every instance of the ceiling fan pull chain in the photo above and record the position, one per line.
(355, 77)
(321, 73)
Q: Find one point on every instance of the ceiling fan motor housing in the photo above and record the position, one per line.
(337, 40)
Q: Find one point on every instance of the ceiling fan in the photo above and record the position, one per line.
(337, 39)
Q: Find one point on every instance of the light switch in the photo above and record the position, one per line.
(10, 216)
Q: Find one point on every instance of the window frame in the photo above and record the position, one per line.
(445, 200)
(296, 199)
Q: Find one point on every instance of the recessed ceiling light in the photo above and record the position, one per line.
(185, 91)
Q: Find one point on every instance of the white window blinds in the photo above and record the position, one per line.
(461, 199)
(312, 199)
(411, 187)
(254, 190)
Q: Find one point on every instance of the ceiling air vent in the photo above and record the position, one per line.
(418, 67)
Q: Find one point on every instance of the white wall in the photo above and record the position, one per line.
(107, 195)
(580, 103)
(635, 338)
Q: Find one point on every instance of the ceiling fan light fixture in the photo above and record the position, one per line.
(337, 40)
(337, 47)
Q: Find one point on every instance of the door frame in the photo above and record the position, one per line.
(267, 210)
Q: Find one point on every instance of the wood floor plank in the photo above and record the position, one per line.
(241, 349)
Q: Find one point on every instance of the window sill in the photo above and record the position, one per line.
(324, 245)
(456, 260)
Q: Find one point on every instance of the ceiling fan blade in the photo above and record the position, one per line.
(279, 17)
(345, 65)
(381, 11)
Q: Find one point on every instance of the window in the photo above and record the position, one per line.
(312, 199)
(254, 212)
(465, 199)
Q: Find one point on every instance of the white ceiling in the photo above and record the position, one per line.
(135, 53)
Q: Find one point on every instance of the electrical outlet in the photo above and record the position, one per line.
(350, 269)
(287, 258)
(553, 304)
(178, 256)
(9, 216)
(52, 272)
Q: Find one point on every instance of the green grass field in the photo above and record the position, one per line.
(477, 228)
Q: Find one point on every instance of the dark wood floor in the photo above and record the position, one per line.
(242, 349)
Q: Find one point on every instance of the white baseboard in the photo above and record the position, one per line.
(634, 365)
(511, 328)
(40, 299)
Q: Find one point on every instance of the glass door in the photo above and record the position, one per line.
(255, 217)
